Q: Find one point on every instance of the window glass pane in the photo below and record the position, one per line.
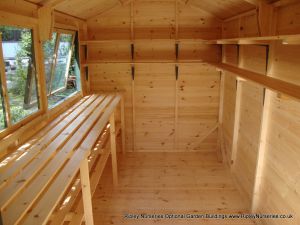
(63, 58)
(49, 48)
(18, 53)
(66, 76)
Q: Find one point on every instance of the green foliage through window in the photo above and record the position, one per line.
(20, 72)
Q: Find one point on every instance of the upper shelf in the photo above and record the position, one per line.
(286, 39)
(124, 41)
(136, 62)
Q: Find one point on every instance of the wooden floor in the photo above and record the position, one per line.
(162, 183)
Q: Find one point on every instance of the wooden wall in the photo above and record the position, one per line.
(162, 114)
(112, 77)
(279, 190)
(198, 106)
(165, 114)
(154, 93)
(154, 107)
(250, 113)
(266, 162)
(230, 56)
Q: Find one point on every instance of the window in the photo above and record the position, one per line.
(61, 66)
(20, 74)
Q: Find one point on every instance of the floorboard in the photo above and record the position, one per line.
(168, 183)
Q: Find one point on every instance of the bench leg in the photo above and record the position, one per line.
(123, 124)
(86, 192)
(113, 149)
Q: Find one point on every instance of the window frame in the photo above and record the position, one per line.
(40, 75)
(6, 107)
(58, 32)
(33, 79)
(3, 91)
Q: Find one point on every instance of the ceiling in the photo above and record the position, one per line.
(223, 8)
(86, 9)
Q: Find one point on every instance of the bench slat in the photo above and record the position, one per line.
(32, 191)
(34, 150)
(12, 189)
(18, 207)
(42, 211)
(11, 159)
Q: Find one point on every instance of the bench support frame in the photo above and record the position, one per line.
(113, 148)
(86, 192)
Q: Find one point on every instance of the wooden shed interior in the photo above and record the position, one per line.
(150, 112)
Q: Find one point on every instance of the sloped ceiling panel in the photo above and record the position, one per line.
(222, 8)
(86, 9)
(89, 8)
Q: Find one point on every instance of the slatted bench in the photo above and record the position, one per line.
(35, 179)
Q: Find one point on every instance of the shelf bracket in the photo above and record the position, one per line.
(132, 72)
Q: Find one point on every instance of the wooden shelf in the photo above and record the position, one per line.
(266, 81)
(122, 41)
(95, 62)
(104, 41)
(286, 39)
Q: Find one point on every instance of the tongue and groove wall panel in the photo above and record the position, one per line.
(197, 23)
(198, 107)
(270, 161)
(252, 95)
(154, 104)
(154, 107)
(230, 56)
(115, 77)
(280, 187)
(113, 24)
